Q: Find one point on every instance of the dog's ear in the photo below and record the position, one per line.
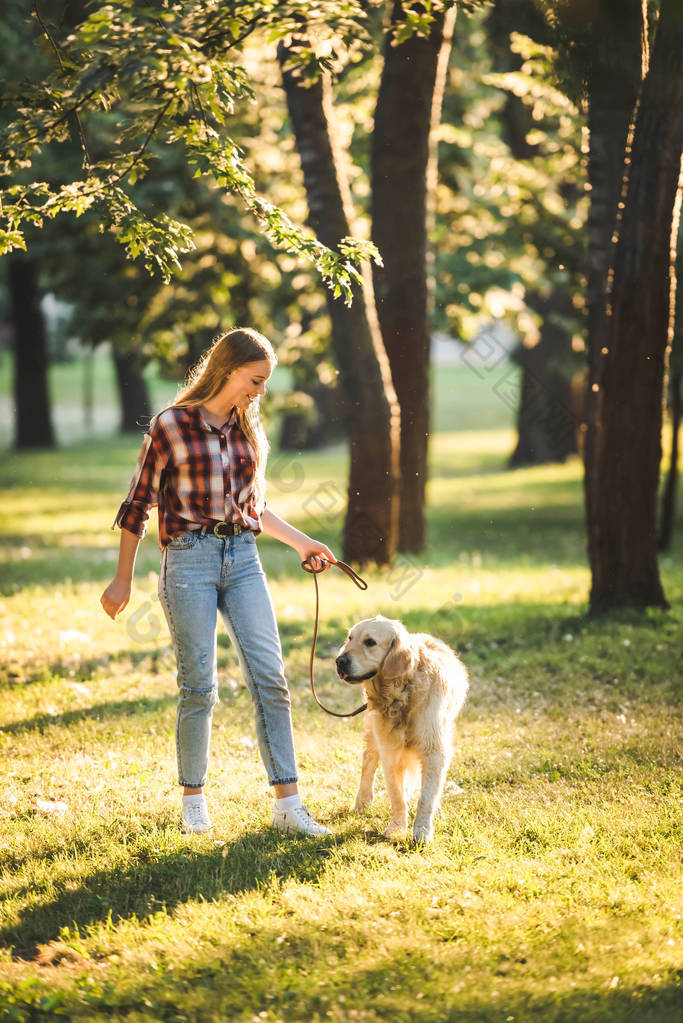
(401, 658)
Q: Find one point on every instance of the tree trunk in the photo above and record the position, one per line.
(625, 449)
(668, 515)
(408, 105)
(371, 526)
(31, 390)
(615, 74)
(133, 391)
(546, 425)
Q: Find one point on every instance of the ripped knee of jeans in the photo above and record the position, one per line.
(199, 697)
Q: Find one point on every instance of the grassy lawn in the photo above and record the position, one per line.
(552, 890)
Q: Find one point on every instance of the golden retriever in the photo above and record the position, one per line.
(415, 687)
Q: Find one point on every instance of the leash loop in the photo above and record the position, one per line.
(362, 585)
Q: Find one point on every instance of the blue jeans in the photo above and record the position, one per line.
(200, 575)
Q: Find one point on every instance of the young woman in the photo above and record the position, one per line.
(202, 463)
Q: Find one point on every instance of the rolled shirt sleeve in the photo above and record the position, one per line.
(143, 493)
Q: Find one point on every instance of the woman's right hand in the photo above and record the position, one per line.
(116, 596)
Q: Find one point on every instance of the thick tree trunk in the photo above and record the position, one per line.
(31, 391)
(625, 450)
(668, 515)
(546, 424)
(408, 105)
(371, 526)
(615, 75)
(133, 391)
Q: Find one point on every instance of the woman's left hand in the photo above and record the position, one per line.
(316, 554)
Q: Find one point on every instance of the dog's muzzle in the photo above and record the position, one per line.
(343, 663)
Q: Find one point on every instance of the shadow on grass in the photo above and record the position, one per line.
(152, 881)
(532, 624)
(507, 625)
(513, 537)
(115, 709)
(89, 668)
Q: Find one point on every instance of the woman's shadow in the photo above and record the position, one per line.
(152, 881)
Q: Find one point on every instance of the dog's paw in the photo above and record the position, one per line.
(363, 802)
(423, 833)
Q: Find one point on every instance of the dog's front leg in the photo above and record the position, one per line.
(393, 768)
(434, 767)
(365, 792)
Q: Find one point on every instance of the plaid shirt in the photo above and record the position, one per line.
(193, 472)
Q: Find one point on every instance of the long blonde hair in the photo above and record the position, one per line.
(205, 379)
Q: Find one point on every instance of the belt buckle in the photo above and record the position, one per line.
(219, 527)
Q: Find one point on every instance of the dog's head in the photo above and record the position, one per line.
(375, 646)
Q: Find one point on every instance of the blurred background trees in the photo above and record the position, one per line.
(558, 153)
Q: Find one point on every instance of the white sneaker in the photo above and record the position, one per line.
(298, 819)
(196, 818)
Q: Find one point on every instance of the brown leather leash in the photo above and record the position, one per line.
(362, 585)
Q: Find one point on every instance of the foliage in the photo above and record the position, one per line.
(504, 227)
(228, 279)
(167, 72)
(507, 226)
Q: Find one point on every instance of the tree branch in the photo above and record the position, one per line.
(150, 134)
(79, 123)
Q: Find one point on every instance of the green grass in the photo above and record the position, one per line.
(552, 890)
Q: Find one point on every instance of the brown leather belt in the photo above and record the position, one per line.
(223, 529)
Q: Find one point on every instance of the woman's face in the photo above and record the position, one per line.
(245, 384)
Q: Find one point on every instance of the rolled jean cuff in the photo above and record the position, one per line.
(285, 781)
